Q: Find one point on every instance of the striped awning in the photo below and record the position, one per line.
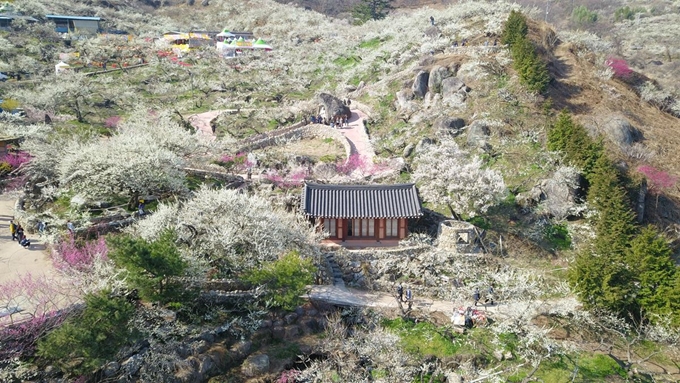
(361, 201)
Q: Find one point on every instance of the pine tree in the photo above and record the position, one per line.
(601, 275)
(515, 28)
(573, 141)
(650, 256)
(371, 10)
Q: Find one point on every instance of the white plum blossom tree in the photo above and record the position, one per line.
(145, 156)
(232, 231)
(450, 176)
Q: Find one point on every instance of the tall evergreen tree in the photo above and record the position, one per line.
(654, 272)
(371, 10)
(573, 141)
(515, 29)
(601, 275)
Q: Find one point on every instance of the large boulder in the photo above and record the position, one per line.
(478, 134)
(563, 193)
(452, 126)
(420, 84)
(333, 106)
(451, 85)
(404, 98)
(560, 196)
(620, 131)
(437, 75)
(255, 365)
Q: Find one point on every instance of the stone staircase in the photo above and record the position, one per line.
(335, 270)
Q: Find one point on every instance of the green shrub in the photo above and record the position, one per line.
(151, 266)
(422, 338)
(285, 279)
(581, 16)
(372, 43)
(627, 13)
(557, 236)
(575, 144)
(83, 343)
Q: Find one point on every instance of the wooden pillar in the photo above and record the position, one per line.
(402, 228)
(381, 228)
(340, 224)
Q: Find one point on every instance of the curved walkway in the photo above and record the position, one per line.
(356, 135)
(513, 309)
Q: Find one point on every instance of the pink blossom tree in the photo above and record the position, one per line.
(619, 67)
(659, 181)
(70, 254)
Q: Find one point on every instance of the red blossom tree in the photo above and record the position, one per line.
(659, 181)
(70, 254)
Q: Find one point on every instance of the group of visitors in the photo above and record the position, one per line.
(408, 296)
(335, 122)
(488, 299)
(18, 234)
(465, 43)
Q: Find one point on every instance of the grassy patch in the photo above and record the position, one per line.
(346, 61)
(284, 350)
(422, 338)
(370, 44)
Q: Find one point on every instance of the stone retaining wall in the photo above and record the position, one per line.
(297, 131)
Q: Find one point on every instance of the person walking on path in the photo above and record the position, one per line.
(13, 230)
(432, 20)
(400, 293)
(475, 295)
(409, 297)
(70, 227)
(19, 233)
(41, 227)
(489, 295)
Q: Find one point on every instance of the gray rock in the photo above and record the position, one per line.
(452, 377)
(478, 133)
(111, 369)
(404, 98)
(333, 106)
(266, 323)
(420, 84)
(132, 364)
(292, 332)
(451, 85)
(498, 354)
(309, 326)
(437, 75)
(563, 192)
(423, 144)
(408, 150)
(278, 323)
(207, 336)
(200, 347)
(619, 130)
(278, 333)
(300, 311)
(207, 365)
(255, 365)
(312, 312)
(240, 349)
(290, 318)
(530, 199)
(449, 125)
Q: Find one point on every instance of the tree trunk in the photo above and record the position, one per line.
(453, 213)
(642, 195)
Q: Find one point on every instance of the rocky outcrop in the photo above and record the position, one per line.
(478, 134)
(437, 75)
(420, 84)
(333, 106)
(451, 85)
(560, 196)
(449, 126)
(620, 131)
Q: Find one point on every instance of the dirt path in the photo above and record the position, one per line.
(17, 262)
(514, 309)
(202, 121)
